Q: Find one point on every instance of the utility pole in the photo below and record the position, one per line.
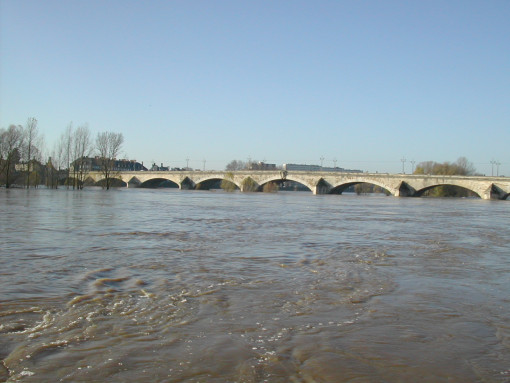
(334, 162)
(492, 168)
(204, 163)
(413, 162)
(497, 168)
(322, 161)
(187, 163)
(403, 159)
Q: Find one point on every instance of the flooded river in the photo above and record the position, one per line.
(163, 285)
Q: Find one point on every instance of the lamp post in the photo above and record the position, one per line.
(403, 159)
(492, 167)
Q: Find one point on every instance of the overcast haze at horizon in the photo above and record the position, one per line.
(363, 83)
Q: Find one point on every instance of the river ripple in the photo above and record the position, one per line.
(172, 286)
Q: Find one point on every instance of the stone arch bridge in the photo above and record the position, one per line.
(400, 185)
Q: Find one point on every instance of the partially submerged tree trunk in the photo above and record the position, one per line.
(108, 145)
(11, 140)
(82, 149)
(32, 150)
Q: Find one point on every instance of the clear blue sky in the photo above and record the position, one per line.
(363, 82)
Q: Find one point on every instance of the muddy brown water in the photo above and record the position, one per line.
(164, 285)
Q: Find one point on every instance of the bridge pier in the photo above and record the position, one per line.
(494, 193)
(186, 184)
(322, 187)
(404, 190)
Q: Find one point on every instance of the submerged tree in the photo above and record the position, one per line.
(249, 185)
(32, 150)
(108, 145)
(11, 140)
(367, 188)
(82, 148)
(64, 150)
(51, 173)
(270, 187)
(228, 184)
(58, 163)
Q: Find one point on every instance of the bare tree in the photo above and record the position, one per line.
(82, 148)
(108, 146)
(65, 146)
(465, 167)
(11, 140)
(32, 149)
(56, 163)
(51, 172)
(236, 165)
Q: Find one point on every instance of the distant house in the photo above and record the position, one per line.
(24, 166)
(89, 164)
(156, 168)
(261, 166)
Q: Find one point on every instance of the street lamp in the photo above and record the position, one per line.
(492, 168)
(403, 159)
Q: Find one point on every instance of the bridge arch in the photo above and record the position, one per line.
(216, 183)
(158, 182)
(340, 188)
(280, 180)
(207, 182)
(450, 189)
(114, 182)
